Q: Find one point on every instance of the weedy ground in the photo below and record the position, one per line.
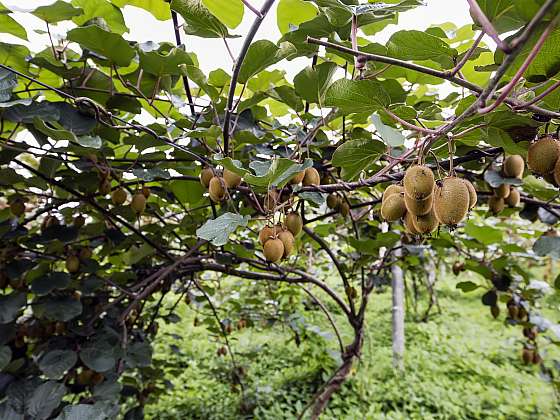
(461, 364)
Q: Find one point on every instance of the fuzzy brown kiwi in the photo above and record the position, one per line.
(288, 241)
(344, 208)
(85, 254)
(393, 208)
(425, 224)
(231, 179)
(496, 204)
(408, 223)
(514, 198)
(216, 189)
(392, 189)
(419, 181)
(138, 203)
(271, 199)
(104, 186)
(17, 207)
(146, 191)
(79, 221)
(294, 223)
(267, 232)
(513, 166)
(333, 201)
(273, 250)
(118, 196)
(473, 197)
(205, 176)
(311, 177)
(72, 264)
(418, 207)
(297, 178)
(543, 155)
(556, 172)
(451, 201)
(503, 191)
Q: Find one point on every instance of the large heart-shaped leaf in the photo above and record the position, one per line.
(218, 230)
(108, 44)
(351, 96)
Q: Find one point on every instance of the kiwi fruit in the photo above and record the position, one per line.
(543, 155)
(333, 201)
(273, 250)
(84, 377)
(393, 208)
(118, 196)
(104, 186)
(79, 221)
(473, 197)
(294, 223)
(344, 208)
(514, 198)
(392, 189)
(85, 254)
(267, 232)
(409, 224)
(288, 241)
(297, 178)
(513, 166)
(496, 204)
(556, 173)
(418, 207)
(271, 199)
(205, 176)
(527, 355)
(146, 191)
(311, 177)
(231, 179)
(138, 203)
(49, 222)
(502, 191)
(451, 201)
(216, 189)
(72, 264)
(17, 207)
(419, 181)
(426, 223)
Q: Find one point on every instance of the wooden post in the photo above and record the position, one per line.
(397, 284)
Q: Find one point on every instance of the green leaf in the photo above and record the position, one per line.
(99, 355)
(57, 12)
(495, 179)
(110, 45)
(45, 399)
(230, 12)
(547, 246)
(355, 156)
(82, 412)
(5, 356)
(312, 82)
(164, 59)
(49, 282)
(94, 9)
(56, 362)
(390, 135)
(10, 305)
(139, 354)
(8, 81)
(198, 19)
(503, 14)
(288, 96)
(357, 96)
(9, 25)
(467, 286)
(262, 54)
(92, 142)
(14, 56)
(58, 308)
(418, 45)
(218, 230)
(158, 8)
(187, 191)
(292, 13)
(54, 130)
(484, 234)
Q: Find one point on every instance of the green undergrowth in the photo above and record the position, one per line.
(461, 364)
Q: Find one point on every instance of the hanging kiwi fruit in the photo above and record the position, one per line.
(138, 203)
(72, 264)
(205, 176)
(543, 155)
(288, 241)
(273, 250)
(311, 177)
(297, 178)
(118, 196)
(425, 224)
(333, 201)
(496, 204)
(231, 179)
(216, 189)
(419, 182)
(294, 223)
(513, 166)
(394, 207)
(502, 191)
(451, 201)
(514, 198)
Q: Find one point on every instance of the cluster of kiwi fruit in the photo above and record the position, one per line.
(278, 241)
(424, 204)
(338, 203)
(119, 197)
(17, 205)
(543, 158)
(505, 194)
(75, 258)
(218, 185)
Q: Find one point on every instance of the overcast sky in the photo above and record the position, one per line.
(211, 52)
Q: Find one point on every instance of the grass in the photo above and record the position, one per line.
(461, 364)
